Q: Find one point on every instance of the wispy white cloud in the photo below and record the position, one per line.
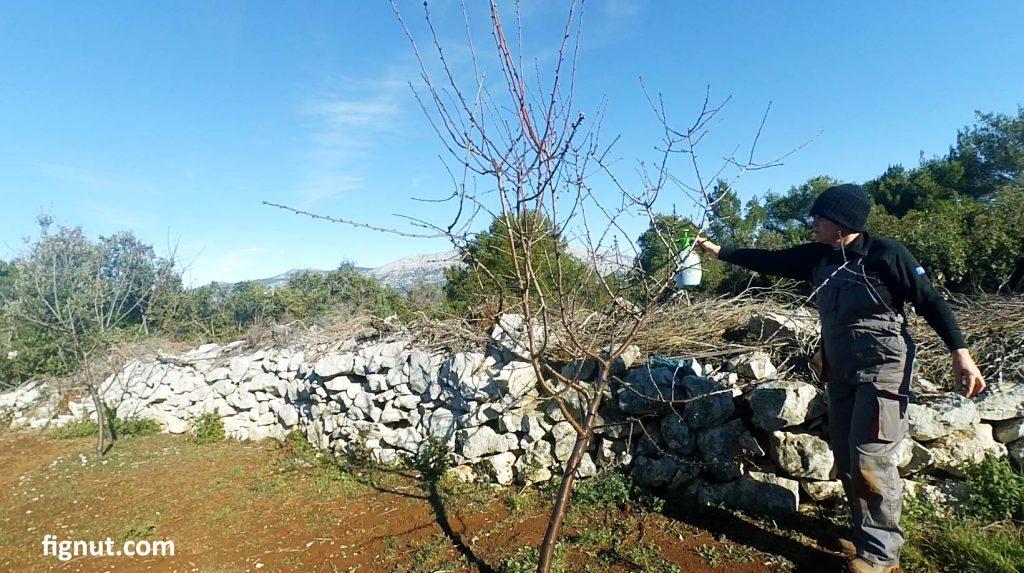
(358, 114)
(346, 124)
(622, 8)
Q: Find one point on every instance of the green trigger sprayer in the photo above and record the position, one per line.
(690, 273)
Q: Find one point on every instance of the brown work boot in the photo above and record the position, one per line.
(845, 546)
(861, 565)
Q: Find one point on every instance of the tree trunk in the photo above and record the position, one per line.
(101, 420)
(547, 548)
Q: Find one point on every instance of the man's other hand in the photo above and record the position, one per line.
(967, 374)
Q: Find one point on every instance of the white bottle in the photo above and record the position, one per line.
(690, 272)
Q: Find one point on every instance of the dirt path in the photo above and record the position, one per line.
(233, 506)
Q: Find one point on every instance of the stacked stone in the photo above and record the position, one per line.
(765, 448)
(709, 441)
(29, 406)
(249, 393)
(735, 434)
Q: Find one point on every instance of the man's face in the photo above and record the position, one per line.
(826, 231)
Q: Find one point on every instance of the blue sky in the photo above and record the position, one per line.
(176, 119)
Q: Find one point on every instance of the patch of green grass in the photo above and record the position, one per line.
(525, 560)
(297, 447)
(708, 553)
(269, 485)
(612, 490)
(644, 557)
(527, 500)
(76, 429)
(595, 536)
(964, 545)
(332, 476)
(335, 482)
(207, 429)
(455, 494)
(123, 428)
(979, 536)
(225, 513)
(430, 555)
(386, 554)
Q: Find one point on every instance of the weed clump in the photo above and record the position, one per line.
(122, 428)
(208, 429)
(611, 490)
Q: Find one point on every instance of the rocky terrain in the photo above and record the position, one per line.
(731, 432)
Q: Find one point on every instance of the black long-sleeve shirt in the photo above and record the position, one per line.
(888, 260)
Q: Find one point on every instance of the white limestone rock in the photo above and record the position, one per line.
(1001, 402)
(954, 451)
(783, 403)
(801, 455)
(938, 415)
(333, 365)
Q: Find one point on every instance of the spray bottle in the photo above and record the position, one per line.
(690, 272)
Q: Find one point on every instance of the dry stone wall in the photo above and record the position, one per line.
(729, 433)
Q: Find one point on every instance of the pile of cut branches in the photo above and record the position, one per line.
(994, 328)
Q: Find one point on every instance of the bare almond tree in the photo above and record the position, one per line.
(520, 152)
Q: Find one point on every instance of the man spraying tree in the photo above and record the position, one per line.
(861, 283)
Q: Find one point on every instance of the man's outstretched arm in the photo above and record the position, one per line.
(793, 263)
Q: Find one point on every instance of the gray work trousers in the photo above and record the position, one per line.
(868, 360)
(865, 435)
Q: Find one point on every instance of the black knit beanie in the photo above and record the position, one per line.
(845, 204)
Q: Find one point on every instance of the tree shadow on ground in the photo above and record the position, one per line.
(805, 558)
(441, 512)
(436, 500)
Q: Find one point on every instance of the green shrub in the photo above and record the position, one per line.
(608, 490)
(432, 554)
(978, 536)
(207, 429)
(131, 427)
(613, 489)
(76, 429)
(432, 461)
(997, 491)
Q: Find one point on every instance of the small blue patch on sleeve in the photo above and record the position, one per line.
(919, 271)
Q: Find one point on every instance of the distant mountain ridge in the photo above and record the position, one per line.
(282, 279)
(405, 273)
